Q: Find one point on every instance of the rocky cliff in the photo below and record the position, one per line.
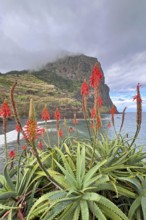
(56, 84)
(78, 68)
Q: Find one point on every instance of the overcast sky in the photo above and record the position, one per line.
(33, 32)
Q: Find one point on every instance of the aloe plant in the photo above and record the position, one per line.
(138, 184)
(18, 186)
(79, 196)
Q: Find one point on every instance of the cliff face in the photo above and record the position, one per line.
(78, 68)
(73, 67)
(57, 85)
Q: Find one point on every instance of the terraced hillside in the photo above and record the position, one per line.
(57, 85)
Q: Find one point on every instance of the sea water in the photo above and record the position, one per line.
(80, 130)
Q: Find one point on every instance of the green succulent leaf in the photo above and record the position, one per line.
(77, 213)
(97, 211)
(135, 205)
(91, 172)
(8, 178)
(5, 207)
(143, 205)
(84, 209)
(7, 195)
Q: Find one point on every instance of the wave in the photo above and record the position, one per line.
(12, 136)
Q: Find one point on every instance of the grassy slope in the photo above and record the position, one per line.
(47, 89)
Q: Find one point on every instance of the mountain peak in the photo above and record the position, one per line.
(60, 84)
(73, 67)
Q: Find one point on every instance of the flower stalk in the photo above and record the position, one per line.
(5, 138)
(5, 113)
(138, 99)
(95, 79)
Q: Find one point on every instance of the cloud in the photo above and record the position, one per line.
(110, 31)
(35, 32)
(121, 99)
(125, 74)
(125, 99)
(49, 27)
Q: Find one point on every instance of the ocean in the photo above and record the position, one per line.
(129, 129)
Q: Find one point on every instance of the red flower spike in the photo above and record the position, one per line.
(71, 130)
(98, 122)
(85, 88)
(32, 131)
(113, 110)
(17, 128)
(12, 154)
(57, 115)
(93, 113)
(138, 98)
(24, 147)
(45, 114)
(95, 77)
(92, 126)
(5, 110)
(99, 101)
(60, 133)
(75, 121)
(138, 86)
(40, 145)
(108, 124)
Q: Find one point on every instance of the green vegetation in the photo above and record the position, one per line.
(112, 187)
(96, 178)
(51, 89)
(58, 81)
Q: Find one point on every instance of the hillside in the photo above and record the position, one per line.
(56, 84)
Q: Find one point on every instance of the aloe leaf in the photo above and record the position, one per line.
(57, 209)
(133, 181)
(7, 195)
(70, 179)
(27, 178)
(92, 171)
(67, 201)
(134, 207)
(98, 180)
(96, 211)
(121, 159)
(91, 181)
(143, 205)
(78, 165)
(67, 149)
(138, 214)
(46, 197)
(84, 210)
(77, 213)
(91, 196)
(18, 171)
(8, 179)
(110, 214)
(66, 165)
(110, 205)
(121, 190)
(69, 211)
(5, 207)
(31, 200)
(58, 177)
(3, 181)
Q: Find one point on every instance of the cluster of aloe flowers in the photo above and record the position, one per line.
(81, 179)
